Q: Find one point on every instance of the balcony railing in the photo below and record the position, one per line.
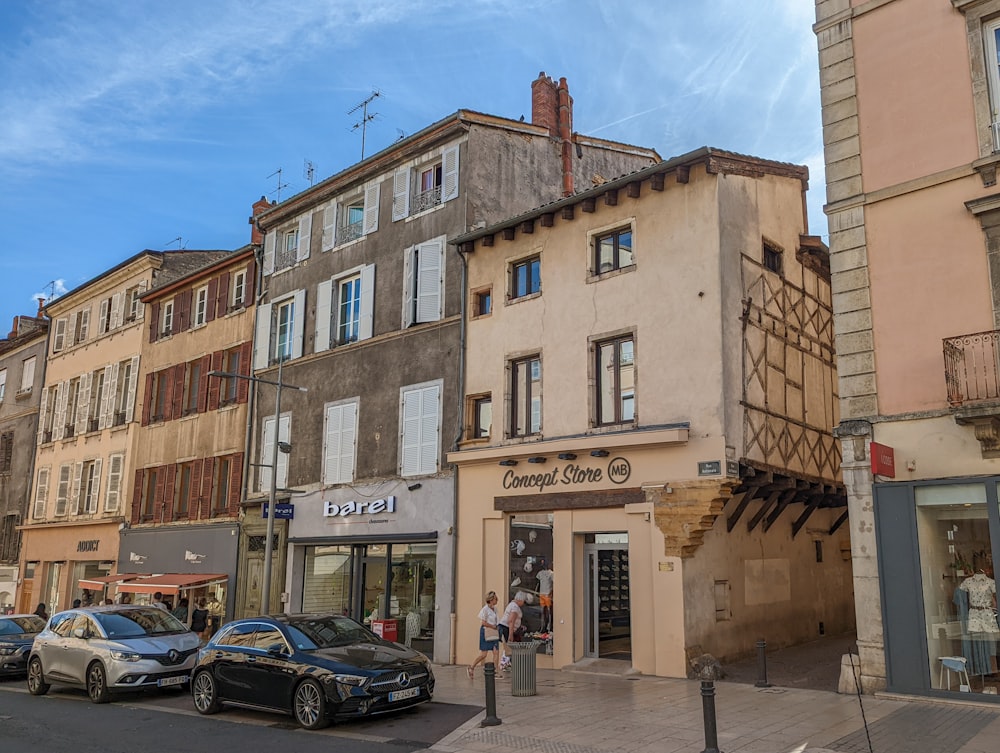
(425, 200)
(972, 368)
(350, 232)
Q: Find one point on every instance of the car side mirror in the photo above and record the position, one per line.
(276, 650)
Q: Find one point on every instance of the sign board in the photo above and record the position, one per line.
(883, 460)
(282, 510)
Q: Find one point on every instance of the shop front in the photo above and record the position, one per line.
(942, 638)
(382, 556)
(56, 557)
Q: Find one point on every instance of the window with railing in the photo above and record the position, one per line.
(286, 253)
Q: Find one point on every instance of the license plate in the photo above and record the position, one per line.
(399, 695)
(167, 681)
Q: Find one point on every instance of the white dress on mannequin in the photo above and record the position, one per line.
(982, 592)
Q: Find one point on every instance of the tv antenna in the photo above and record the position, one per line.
(309, 171)
(365, 117)
(277, 191)
(178, 240)
(52, 290)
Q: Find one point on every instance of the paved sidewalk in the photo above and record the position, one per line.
(578, 712)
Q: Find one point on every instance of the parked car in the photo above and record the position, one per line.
(106, 649)
(315, 667)
(17, 633)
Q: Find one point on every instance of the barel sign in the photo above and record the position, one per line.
(617, 472)
(364, 507)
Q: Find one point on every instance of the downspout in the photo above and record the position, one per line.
(455, 444)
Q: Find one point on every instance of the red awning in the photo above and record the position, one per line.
(99, 582)
(171, 583)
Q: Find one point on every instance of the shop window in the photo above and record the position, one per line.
(530, 573)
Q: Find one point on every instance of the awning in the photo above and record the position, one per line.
(99, 582)
(171, 583)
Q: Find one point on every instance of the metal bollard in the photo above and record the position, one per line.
(708, 711)
(491, 720)
(762, 665)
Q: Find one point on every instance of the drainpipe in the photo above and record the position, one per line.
(463, 298)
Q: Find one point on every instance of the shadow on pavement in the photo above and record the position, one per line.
(813, 666)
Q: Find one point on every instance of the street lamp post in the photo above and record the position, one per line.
(265, 601)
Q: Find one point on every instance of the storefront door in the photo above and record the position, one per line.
(607, 623)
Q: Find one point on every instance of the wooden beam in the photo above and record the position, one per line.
(589, 205)
(487, 240)
(783, 502)
(733, 519)
(683, 173)
(656, 181)
(567, 212)
(528, 227)
(801, 520)
(548, 219)
(633, 189)
(466, 248)
(611, 198)
(764, 509)
(508, 233)
(838, 523)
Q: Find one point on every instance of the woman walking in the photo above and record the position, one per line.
(489, 637)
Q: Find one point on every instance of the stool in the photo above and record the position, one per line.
(951, 664)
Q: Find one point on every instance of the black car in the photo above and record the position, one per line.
(315, 667)
(17, 633)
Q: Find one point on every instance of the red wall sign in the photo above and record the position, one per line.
(883, 460)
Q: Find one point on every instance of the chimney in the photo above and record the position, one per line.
(41, 307)
(566, 134)
(259, 207)
(545, 103)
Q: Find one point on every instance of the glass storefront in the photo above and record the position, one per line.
(959, 591)
(530, 572)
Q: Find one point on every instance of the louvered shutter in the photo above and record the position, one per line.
(430, 256)
(71, 329)
(419, 445)
(42, 407)
(84, 324)
(41, 493)
(262, 337)
(266, 455)
(107, 406)
(449, 177)
(235, 480)
(298, 323)
(284, 432)
(117, 310)
(371, 208)
(305, 237)
(401, 194)
(112, 499)
(329, 227)
(408, 285)
(214, 383)
(95, 490)
(102, 325)
(339, 450)
(74, 496)
(269, 252)
(141, 306)
(366, 320)
(243, 385)
(154, 322)
(212, 303)
(222, 294)
(132, 381)
(251, 284)
(59, 338)
(83, 403)
(62, 491)
(62, 394)
(324, 304)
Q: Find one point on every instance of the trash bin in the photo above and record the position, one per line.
(522, 665)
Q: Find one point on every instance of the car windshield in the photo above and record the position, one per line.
(312, 633)
(21, 625)
(135, 623)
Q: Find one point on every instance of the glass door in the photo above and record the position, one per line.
(607, 605)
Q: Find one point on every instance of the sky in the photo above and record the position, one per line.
(128, 124)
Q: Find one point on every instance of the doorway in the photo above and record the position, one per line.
(607, 605)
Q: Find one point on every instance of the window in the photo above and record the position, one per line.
(97, 399)
(72, 405)
(230, 385)
(112, 499)
(200, 306)
(62, 491)
(339, 442)
(267, 449)
(124, 375)
(428, 189)
(182, 502)
(280, 329)
(482, 302)
(47, 414)
(353, 222)
(106, 314)
(220, 487)
(426, 186)
(27, 376)
(284, 323)
(991, 34)
(239, 290)
(481, 413)
(423, 271)
(41, 494)
(287, 250)
(345, 308)
(772, 257)
(81, 325)
(420, 419)
(526, 396)
(192, 387)
(59, 335)
(168, 318)
(615, 381)
(6, 451)
(90, 483)
(3, 382)
(158, 403)
(151, 481)
(613, 251)
(134, 304)
(525, 277)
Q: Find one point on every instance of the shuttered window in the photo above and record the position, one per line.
(339, 443)
(424, 279)
(420, 429)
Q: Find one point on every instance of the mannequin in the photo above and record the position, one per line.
(981, 625)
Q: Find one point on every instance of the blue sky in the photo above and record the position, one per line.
(127, 125)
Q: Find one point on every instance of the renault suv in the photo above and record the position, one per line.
(108, 649)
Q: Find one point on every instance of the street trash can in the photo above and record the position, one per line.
(523, 667)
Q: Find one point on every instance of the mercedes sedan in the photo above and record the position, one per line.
(107, 649)
(315, 667)
(17, 633)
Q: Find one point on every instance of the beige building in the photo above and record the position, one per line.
(650, 391)
(911, 96)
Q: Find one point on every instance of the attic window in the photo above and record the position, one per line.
(773, 258)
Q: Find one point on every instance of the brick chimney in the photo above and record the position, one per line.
(566, 134)
(259, 207)
(545, 103)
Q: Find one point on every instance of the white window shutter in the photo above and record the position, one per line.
(408, 286)
(429, 429)
(42, 407)
(74, 497)
(262, 337)
(101, 328)
(112, 498)
(266, 454)
(449, 174)
(63, 488)
(141, 306)
(284, 432)
(401, 194)
(268, 265)
(83, 403)
(71, 329)
(341, 433)
(59, 423)
(104, 418)
(371, 208)
(329, 226)
(324, 305)
(348, 442)
(305, 237)
(41, 493)
(84, 323)
(366, 321)
(59, 338)
(117, 310)
(409, 450)
(298, 323)
(96, 490)
(132, 381)
(429, 278)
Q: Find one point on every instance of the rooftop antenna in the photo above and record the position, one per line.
(178, 240)
(52, 290)
(309, 171)
(277, 191)
(365, 117)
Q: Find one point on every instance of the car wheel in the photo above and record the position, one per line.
(36, 680)
(205, 694)
(97, 683)
(309, 705)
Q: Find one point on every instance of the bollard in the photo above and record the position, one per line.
(491, 720)
(708, 711)
(762, 665)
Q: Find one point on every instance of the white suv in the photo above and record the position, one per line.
(104, 649)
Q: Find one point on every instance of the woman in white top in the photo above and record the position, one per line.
(487, 619)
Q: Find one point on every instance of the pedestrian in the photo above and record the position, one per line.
(489, 636)
(181, 611)
(158, 601)
(199, 618)
(510, 623)
(41, 611)
(76, 604)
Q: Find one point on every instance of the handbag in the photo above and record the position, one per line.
(490, 633)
